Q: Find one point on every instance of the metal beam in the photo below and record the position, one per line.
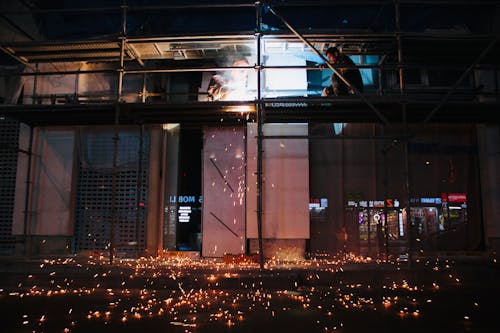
(230, 68)
(132, 53)
(282, 110)
(17, 27)
(13, 55)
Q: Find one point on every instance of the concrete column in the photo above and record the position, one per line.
(489, 166)
(155, 206)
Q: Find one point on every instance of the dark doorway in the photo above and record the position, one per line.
(189, 190)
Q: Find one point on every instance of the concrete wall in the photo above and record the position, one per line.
(51, 197)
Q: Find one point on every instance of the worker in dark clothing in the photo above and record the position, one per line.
(352, 75)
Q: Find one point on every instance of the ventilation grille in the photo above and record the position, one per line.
(9, 135)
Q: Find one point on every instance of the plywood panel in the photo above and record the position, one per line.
(223, 224)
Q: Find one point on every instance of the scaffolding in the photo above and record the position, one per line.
(399, 51)
(394, 99)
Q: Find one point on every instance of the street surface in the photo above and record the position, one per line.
(188, 295)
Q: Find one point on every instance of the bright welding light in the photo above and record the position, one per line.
(241, 108)
(238, 94)
(235, 86)
(169, 127)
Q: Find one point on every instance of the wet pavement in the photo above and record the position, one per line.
(182, 295)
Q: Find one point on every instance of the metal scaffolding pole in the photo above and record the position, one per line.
(27, 215)
(144, 89)
(409, 220)
(386, 194)
(379, 67)
(116, 136)
(123, 41)
(409, 223)
(11, 54)
(46, 73)
(121, 70)
(260, 133)
(139, 204)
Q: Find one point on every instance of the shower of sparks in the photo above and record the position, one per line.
(191, 294)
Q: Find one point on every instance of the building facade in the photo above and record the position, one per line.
(117, 145)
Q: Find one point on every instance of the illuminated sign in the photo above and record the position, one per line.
(431, 200)
(185, 199)
(184, 214)
(314, 206)
(288, 105)
(401, 225)
(454, 197)
(318, 204)
(391, 203)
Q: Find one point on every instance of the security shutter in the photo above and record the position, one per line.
(94, 191)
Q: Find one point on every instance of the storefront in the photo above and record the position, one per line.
(435, 221)
(373, 221)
